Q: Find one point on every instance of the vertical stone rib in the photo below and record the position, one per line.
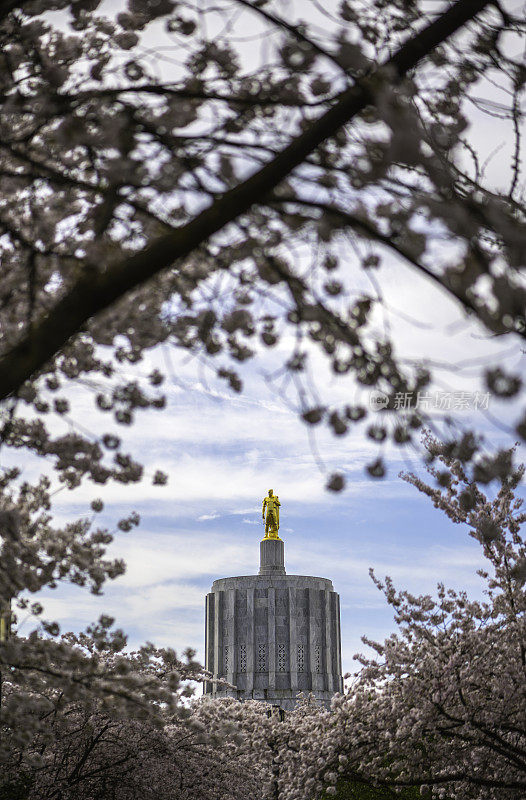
(293, 641)
(338, 646)
(207, 630)
(271, 622)
(250, 641)
(218, 656)
(313, 638)
(209, 639)
(230, 613)
(328, 641)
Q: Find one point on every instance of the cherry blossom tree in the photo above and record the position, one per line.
(282, 748)
(36, 667)
(267, 739)
(90, 749)
(219, 202)
(222, 200)
(442, 705)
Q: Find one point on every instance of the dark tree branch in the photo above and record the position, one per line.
(249, 101)
(367, 228)
(52, 174)
(294, 31)
(95, 293)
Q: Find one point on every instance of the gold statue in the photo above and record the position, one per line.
(272, 504)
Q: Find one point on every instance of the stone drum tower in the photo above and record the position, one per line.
(273, 635)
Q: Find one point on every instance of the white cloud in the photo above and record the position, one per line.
(157, 558)
(212, 481)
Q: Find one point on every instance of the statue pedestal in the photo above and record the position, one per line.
(272, 557)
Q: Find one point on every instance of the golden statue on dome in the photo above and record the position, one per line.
(271, 504)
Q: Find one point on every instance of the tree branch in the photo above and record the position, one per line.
(367, 228)
(294, 31)
(95, 293)
(248, 100)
